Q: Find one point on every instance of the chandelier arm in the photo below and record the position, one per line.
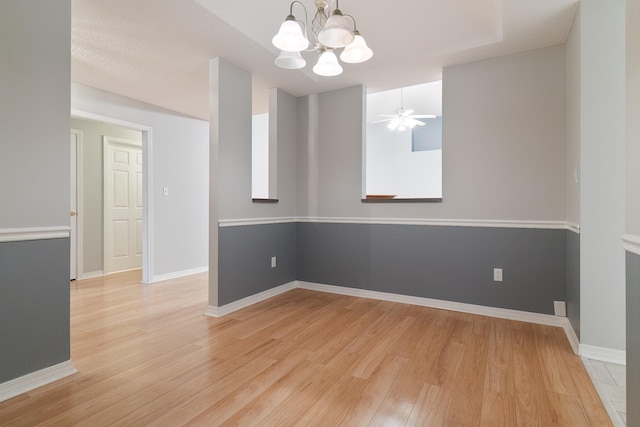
(355, 26)
(306, 17)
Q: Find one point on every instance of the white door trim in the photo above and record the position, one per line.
(147, 184)
(79, 204)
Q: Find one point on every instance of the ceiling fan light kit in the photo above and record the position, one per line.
(403, 119)
(331, 30)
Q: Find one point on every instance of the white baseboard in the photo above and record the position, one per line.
(603, 354)
(178, 274)
(571, 336)
(502, 313)
(591, 352)
(36, 379)
(250, 300)
(90, 275)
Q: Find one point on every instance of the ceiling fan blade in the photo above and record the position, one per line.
(412, 122)
(407, 113)
(424, 116)
(388, 115)
(380, 121)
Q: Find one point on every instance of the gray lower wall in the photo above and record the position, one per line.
(34, 306)
(633, 338)
(244, 259)
(573, 280)
(447, 263)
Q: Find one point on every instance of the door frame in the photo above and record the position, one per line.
(106, 142)
(147, 184)
(79, 203)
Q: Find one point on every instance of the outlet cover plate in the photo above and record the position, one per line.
(560, 308)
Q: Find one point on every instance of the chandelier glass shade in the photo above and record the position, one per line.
(330, 31)
(290, 37)
(290, 60)
(357, 51)
(336, 32)
(327, 65)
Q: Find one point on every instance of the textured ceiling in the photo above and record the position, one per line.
(158, 51)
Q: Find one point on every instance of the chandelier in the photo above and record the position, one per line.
(330, 30)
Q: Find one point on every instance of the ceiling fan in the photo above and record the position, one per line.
(403, 119)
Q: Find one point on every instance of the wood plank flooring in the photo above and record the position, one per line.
(147, 355)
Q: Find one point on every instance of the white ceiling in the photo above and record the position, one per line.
(158, 51)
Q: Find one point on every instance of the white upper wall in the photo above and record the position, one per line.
(34, 114)
(260, 156)
(504, 149)
(180, 153)
(602, 160)
(573, 123)
(234, 144)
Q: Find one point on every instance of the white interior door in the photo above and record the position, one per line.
(73, 219)
(123, 205)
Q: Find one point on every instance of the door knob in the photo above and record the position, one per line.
(73, 213)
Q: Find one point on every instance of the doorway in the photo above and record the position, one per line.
(91, 198)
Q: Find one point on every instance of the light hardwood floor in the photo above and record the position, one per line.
(147, 355)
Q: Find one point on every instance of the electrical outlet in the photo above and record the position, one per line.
(165, 191)
(497, 275)
(273, 262)
(560, 308)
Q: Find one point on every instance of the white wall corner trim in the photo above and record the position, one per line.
(254, 221)
(178, 274)
(36, 379)
(603, 354)
(250, 300)
(571, 336)
(573, 227)
(631, 243)
(33, 233)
